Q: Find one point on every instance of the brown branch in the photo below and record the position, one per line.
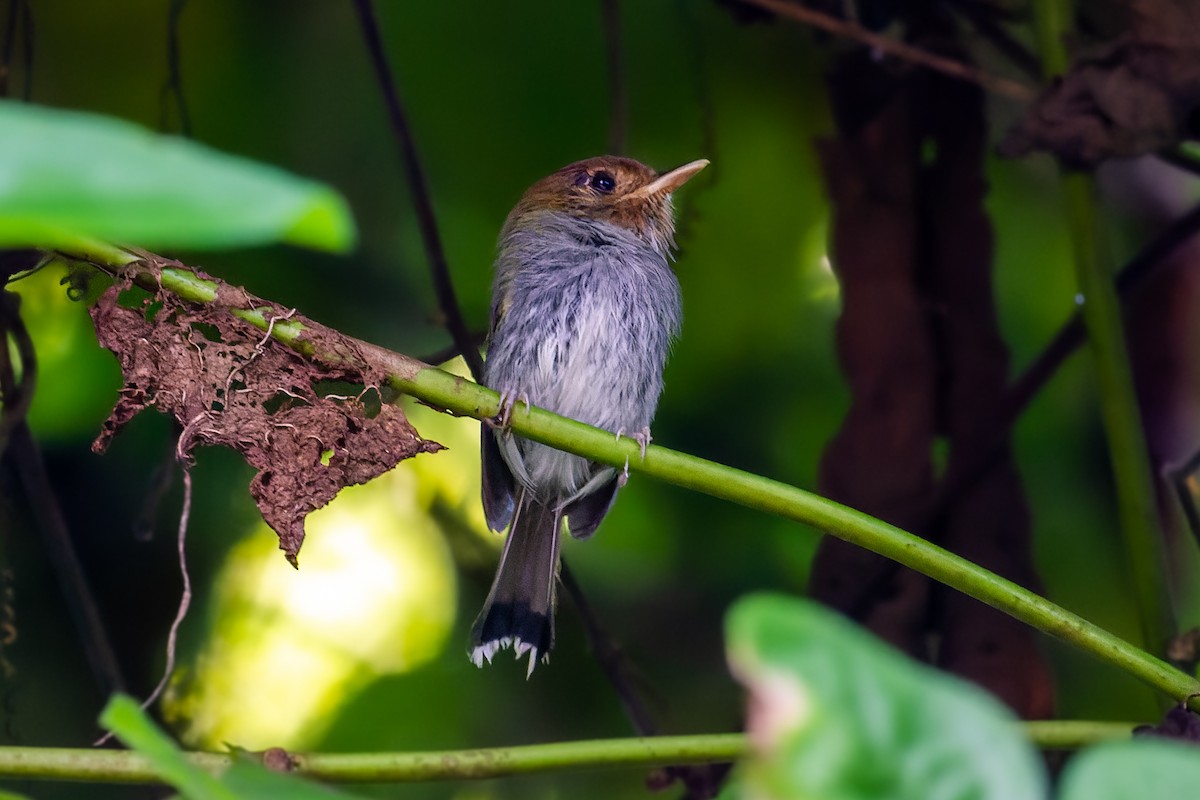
(905, 52)
(419, 189)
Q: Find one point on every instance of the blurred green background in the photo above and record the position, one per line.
(364, 647)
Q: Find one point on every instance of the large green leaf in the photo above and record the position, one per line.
(1134, 770)
(837, 715)
(66, 175)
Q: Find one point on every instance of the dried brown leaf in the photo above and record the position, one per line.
(229, 384)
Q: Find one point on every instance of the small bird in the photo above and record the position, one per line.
(584, 310)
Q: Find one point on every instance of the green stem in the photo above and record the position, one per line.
(123, 766)
(1074, 734)
(460, 396)
(1136, 503)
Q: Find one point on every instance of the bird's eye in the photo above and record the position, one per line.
(603, 182)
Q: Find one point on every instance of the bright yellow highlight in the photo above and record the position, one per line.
(375, 594)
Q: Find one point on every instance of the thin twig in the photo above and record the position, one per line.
(173, 88)
(983, 20)
(10, 38)
(615, 665)
(451, 350)
(26, 458)
(419, 189)
(17, 442)
(905, 52)
(185, 597)
(1068, 339)
(618, 97)
(20, 16)
(15, 395)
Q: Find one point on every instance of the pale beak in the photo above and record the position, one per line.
(670, 181)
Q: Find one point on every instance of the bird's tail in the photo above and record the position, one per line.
(519, 611)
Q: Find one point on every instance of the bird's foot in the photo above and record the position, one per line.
(642, 437)
(503, 418)
(623, 475)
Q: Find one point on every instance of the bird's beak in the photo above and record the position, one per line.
(670, 181)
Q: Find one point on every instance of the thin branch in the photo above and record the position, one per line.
(419, 189)
(15, 395)
(449, 392)
(448, 352)
(123, 766)
(618, 96)
(616, 666)
(173, 87)
(185, 597)
(26, 458)
(20, 16)
(1132, 276)
(983, 20)
(905, 52)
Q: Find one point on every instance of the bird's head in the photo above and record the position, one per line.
(614, 190)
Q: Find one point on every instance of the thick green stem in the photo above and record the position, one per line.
(463, 397)
(460, 396)
(1136, 503)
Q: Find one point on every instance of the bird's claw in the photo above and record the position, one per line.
(642, 437)
(503, 418)
(623, 475)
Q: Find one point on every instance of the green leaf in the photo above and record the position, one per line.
(837, 715)
(67, 176)
(125, 718)
(245, 780)
(1133, 770)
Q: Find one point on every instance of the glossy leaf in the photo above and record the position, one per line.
(837, 715)
(67, 175)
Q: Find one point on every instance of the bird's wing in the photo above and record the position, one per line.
(498, 484)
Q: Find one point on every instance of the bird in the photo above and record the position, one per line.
(585, 310)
